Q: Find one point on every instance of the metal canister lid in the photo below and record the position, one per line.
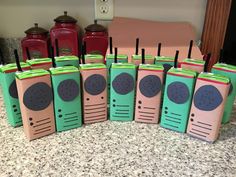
(95, 27)
(36, 30)
(65, 19)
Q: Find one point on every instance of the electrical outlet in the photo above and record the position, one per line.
(103, 9)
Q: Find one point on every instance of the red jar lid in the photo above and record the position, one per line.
(36, 30)
(65, 19)
(95, 27)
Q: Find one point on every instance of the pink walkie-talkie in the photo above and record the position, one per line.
(148, 92)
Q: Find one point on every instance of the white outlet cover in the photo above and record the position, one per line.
(103, 9)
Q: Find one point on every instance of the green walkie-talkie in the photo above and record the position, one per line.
(177, 97)
(123, 83)
(10, 94)
(67, 97)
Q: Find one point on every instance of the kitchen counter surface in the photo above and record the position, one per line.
(115, 149)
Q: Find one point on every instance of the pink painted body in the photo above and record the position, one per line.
(148, 110)
(193, 67)
(138, 62)
(205, 125)
(43, 121)
(94, 106)
(45, 66)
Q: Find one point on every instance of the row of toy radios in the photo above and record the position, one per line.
(44, 111)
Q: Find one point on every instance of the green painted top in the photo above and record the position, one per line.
(224, 66)
(139, 57)
(213, 77)
(182, 72)
(94, 56)
(123, 66)
(13, 67)
(31, 73)
(62, 70)
(158, 67)
(164, 58)
(66, 58)
(193, 61)
(120, 56)
(92, 66)
(39, 61)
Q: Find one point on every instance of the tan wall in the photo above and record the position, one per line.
(18, 15)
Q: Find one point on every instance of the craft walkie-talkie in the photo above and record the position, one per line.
(148, 92)
(123, 81)
(10, 94)
(177, 97)
(110, 58)
(137, 59)
(192, 64)
(67, 97)
(228, 71)
(38, 63)
(64, 60)
(207, 108)
(36, 101)
(94, 85)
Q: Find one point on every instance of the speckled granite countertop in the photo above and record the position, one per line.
(115, 149)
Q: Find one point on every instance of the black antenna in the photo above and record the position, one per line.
(143, 56)
(85, 48)
(17, 60)
(159, 50)
(176, 59)
(110, 44)
(115, 57)
(57, 47)
(221, 59)
(53, 58)
(28, 53)
(137, 46)
(190, 49)
(207, 62)
(83, 57)
(1, 58)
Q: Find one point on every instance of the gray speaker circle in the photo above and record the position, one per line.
(178, 92)
(68, 90)
(207, 98)
(95, 84)
(38, 96)
(150, 86)
(123, 83)
(13, 90)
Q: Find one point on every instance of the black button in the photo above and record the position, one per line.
(31, 123)
(166, 107)
(102, 97)
(191, 120)
(87, 99)
(14, 106)
(192, 115)
(114, 105)
(30, 118)
(166, 112)
(60, 115)
(15, 110)
(140, 102)
(59, 110)
(139, 107)
(114, 100)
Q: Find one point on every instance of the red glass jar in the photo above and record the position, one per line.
(37, 42)
(96, 38)
(67, 33)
